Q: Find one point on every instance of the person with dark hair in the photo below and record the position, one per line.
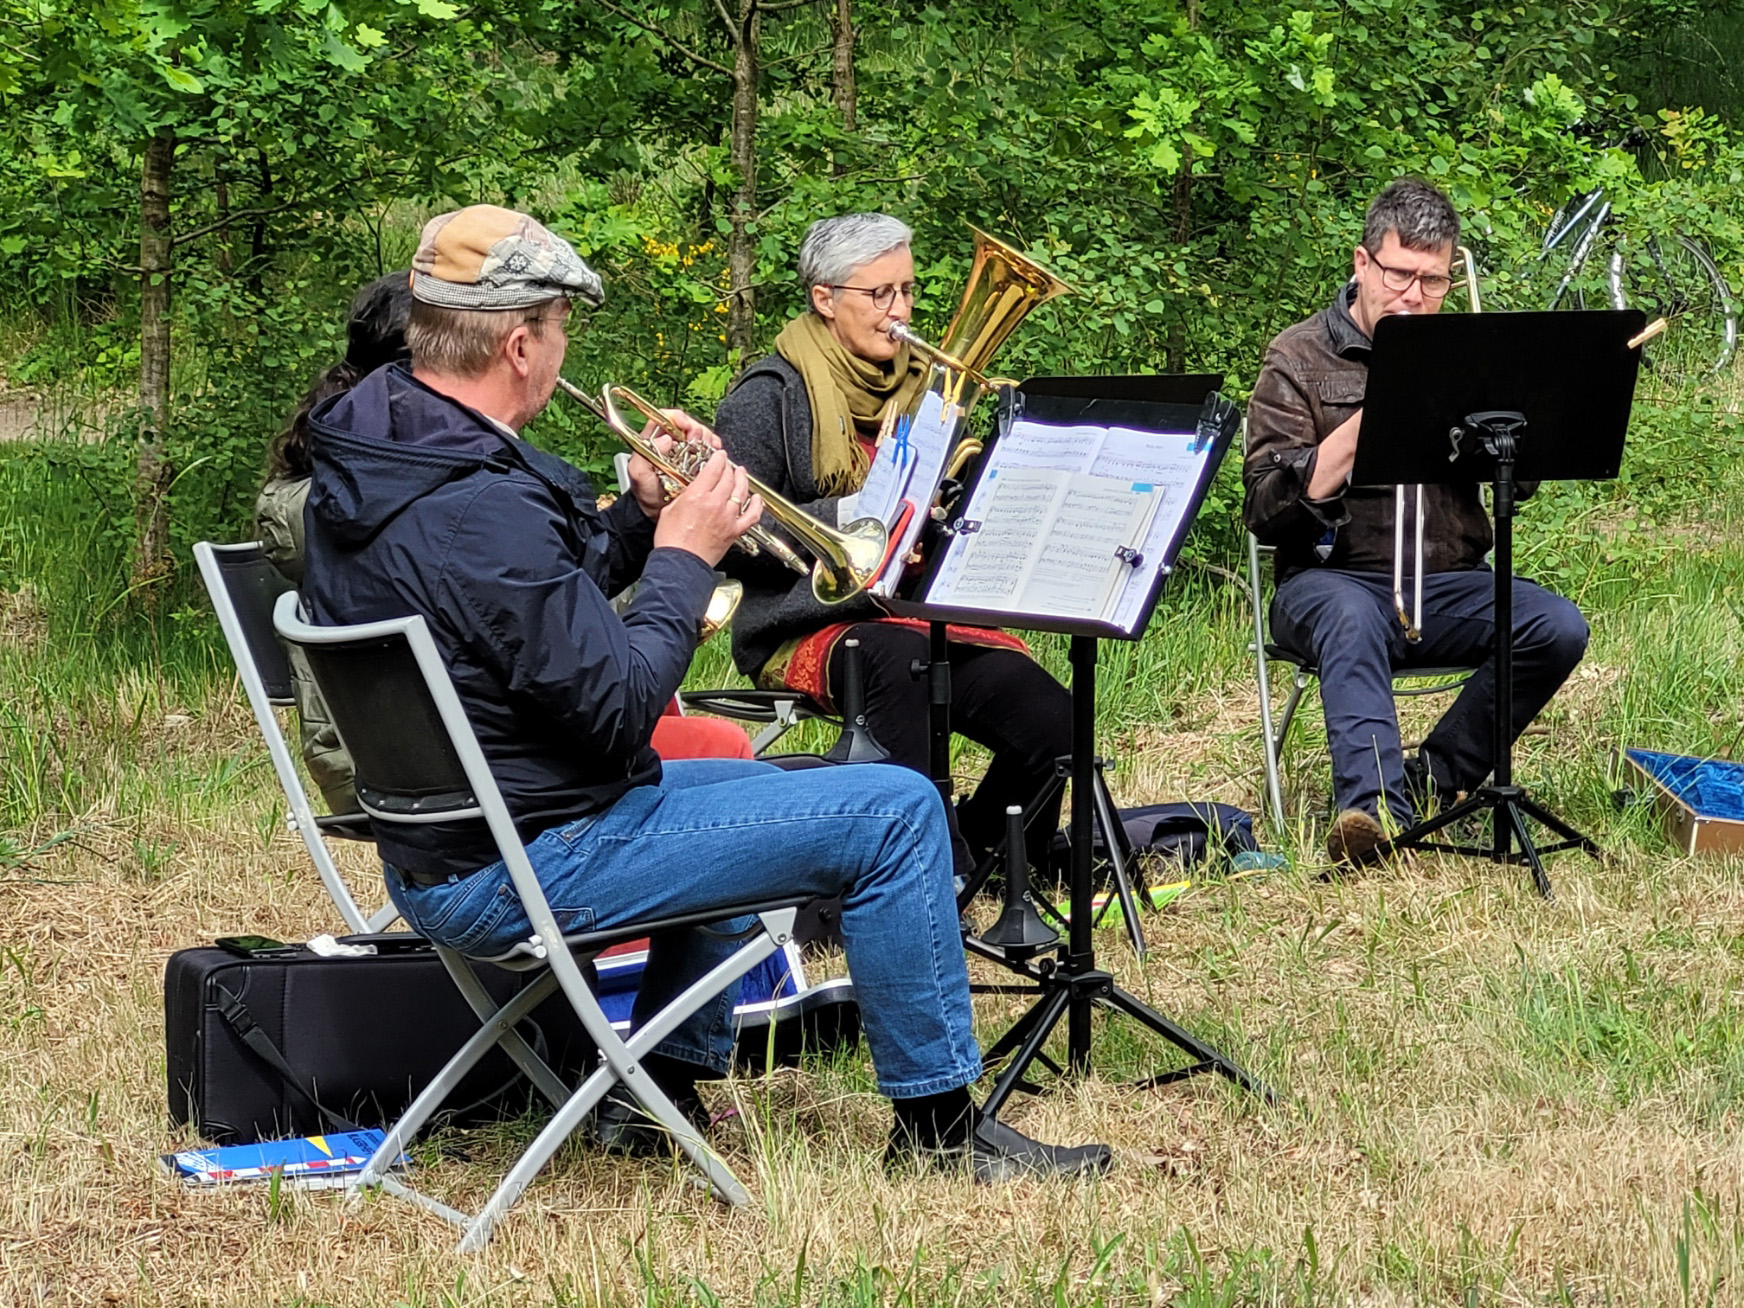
(375, 334)
(805, 422)
(425, 500)
(1334, 599)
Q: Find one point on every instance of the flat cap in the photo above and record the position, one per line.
(486, 257)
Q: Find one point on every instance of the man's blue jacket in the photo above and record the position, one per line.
(421, 505)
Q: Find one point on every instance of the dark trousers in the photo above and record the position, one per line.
(1344, 623)
(1000, 698)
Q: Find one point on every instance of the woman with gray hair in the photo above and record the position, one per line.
(805, 420)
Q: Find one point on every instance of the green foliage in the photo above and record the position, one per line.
(1196, 170)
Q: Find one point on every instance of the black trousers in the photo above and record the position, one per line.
(1000, 698)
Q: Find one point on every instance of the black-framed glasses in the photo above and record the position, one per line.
(882, 296)
(1435, 285)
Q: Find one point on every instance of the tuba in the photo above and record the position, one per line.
(1003, 287)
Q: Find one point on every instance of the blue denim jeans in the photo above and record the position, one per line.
(723, 831)
(1344, 623)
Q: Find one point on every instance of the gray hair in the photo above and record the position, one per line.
(462, 342)
(1422, 217)
(834, 247)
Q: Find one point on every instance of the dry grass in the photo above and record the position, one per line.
(1456, 1116)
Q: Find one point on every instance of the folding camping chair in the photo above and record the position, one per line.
(243, 586)
(417, 761)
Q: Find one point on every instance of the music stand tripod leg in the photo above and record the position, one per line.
(1544, 817)
(1039, 1024)
(1210, 1059)
(1114, 837)
(1528, 850)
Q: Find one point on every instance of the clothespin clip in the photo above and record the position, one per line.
(1646, 334)
(904, 451)
(966, 526)
(1129, 556)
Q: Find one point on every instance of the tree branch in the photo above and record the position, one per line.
(802, 54)
(776, 8)
(702, 60)
(182, 238)
(727, 21)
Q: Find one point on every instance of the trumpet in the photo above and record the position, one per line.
(845, 560)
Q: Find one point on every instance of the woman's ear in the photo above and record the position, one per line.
(823, 299)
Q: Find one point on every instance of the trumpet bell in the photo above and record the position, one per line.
(857, 553)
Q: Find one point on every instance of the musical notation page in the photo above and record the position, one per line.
(1071, 522)
(1047, 541)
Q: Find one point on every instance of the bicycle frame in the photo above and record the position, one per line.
(1594, 203)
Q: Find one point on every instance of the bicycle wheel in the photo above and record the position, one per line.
(1679, 281)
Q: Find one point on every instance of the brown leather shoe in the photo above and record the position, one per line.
(1354, 837)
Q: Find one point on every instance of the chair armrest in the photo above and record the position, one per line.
(749, 705)
(345, 826)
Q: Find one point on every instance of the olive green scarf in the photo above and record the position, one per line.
(848, 394)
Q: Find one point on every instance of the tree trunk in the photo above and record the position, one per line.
(741, 244)
(1175, 350)
(842, 85)
(152, 472)
(1175, 353)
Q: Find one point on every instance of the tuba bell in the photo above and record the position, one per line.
(1003, 287)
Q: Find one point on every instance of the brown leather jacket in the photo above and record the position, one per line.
(1313, 378)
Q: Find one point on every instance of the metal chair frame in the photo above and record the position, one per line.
(1274, 731)
(475, 794)
(265, 672)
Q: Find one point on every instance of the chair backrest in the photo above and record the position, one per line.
(397, 713)
(387, 716)
(244, 587)
(416, 756)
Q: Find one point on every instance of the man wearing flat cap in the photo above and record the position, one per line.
(425, 500)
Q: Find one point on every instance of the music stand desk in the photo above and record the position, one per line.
(1501, 398)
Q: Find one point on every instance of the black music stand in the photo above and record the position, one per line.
(1502, 398)
(1177, 389)
(1070, 983)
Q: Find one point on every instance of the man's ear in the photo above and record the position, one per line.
(515, 350)
(1359, 259)
(823, 299)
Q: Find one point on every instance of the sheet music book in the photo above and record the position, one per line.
(1072, 521)
(906, 469)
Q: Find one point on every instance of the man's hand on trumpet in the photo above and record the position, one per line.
(711, 513)
(644, 481)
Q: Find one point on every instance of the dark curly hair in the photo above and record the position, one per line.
(375, 334)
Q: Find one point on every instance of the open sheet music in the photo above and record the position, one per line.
(1072, 521)
(907, 468)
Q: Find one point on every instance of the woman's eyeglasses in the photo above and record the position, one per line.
(882, 296)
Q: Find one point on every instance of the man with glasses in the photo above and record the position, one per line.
(1333, 604)
(805, 421)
